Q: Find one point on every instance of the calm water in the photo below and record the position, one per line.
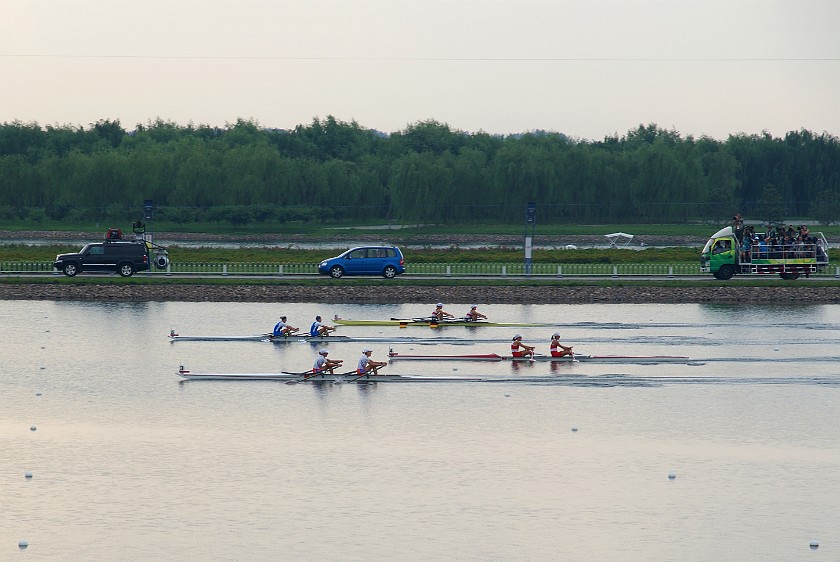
(130, 464)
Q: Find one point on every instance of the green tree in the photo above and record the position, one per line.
(771, 208)
(826, 208)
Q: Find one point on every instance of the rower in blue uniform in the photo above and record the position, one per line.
(281, 329)
(320, 329)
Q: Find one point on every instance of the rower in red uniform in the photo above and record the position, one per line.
(558, 349)
(519, 349)
(439, 314)
(474, 314)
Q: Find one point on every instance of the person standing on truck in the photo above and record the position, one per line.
(762, 249)
(745, 249)
(738, 227)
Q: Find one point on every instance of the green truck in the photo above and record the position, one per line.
(724, 255)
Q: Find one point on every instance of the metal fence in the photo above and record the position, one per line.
(436, 269)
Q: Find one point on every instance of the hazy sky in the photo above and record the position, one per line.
(586, 68)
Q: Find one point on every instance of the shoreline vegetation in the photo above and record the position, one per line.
(329, 171)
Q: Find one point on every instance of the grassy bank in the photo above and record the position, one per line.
(700, 230)
(450, 255)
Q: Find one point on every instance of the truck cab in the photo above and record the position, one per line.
(724, 256)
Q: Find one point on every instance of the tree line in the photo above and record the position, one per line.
(331, 170)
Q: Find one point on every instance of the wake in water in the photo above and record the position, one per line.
(623, 380)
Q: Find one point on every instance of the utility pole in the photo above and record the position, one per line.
(530, 221)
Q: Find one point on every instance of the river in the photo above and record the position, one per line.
(732, 456)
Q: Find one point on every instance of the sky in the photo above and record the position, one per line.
(585, 68)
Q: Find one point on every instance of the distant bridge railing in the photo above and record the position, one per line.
(437, 269)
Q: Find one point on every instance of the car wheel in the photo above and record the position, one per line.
(336, 271)
(71, 269)
(389, 272)
(126, 269)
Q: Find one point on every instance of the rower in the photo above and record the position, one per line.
(439, 313)
(366, 364)
(519, 349)
(474, 314)
(319, 329)
(281, 329)
(558, 349)
(324, 365)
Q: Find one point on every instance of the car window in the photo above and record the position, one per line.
(375, 253)
(391, 252)
(356, 254)
(97, 250)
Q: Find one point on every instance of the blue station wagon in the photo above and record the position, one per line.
(386, 261)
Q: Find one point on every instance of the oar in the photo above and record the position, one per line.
(373, 371)
(272, 337)
(309, 374)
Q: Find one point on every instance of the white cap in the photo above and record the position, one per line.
(367, 350)
(517, 336)
(439, 305)
(323, 352)
(474, 306)
(555, 335)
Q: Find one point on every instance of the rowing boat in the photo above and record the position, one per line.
(643, 359)
(325, 377)
(427, 323)
(255, 337)
(326, 339)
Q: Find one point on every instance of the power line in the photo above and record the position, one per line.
(423, 59)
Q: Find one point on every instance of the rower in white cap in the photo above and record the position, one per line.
(519, 349)
(439, 313)
(324, 365)
(558, 349)
(474, 314)
(368, 365)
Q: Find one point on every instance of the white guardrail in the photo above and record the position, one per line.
(437, 269)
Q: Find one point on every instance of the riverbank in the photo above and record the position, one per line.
(394, 293)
